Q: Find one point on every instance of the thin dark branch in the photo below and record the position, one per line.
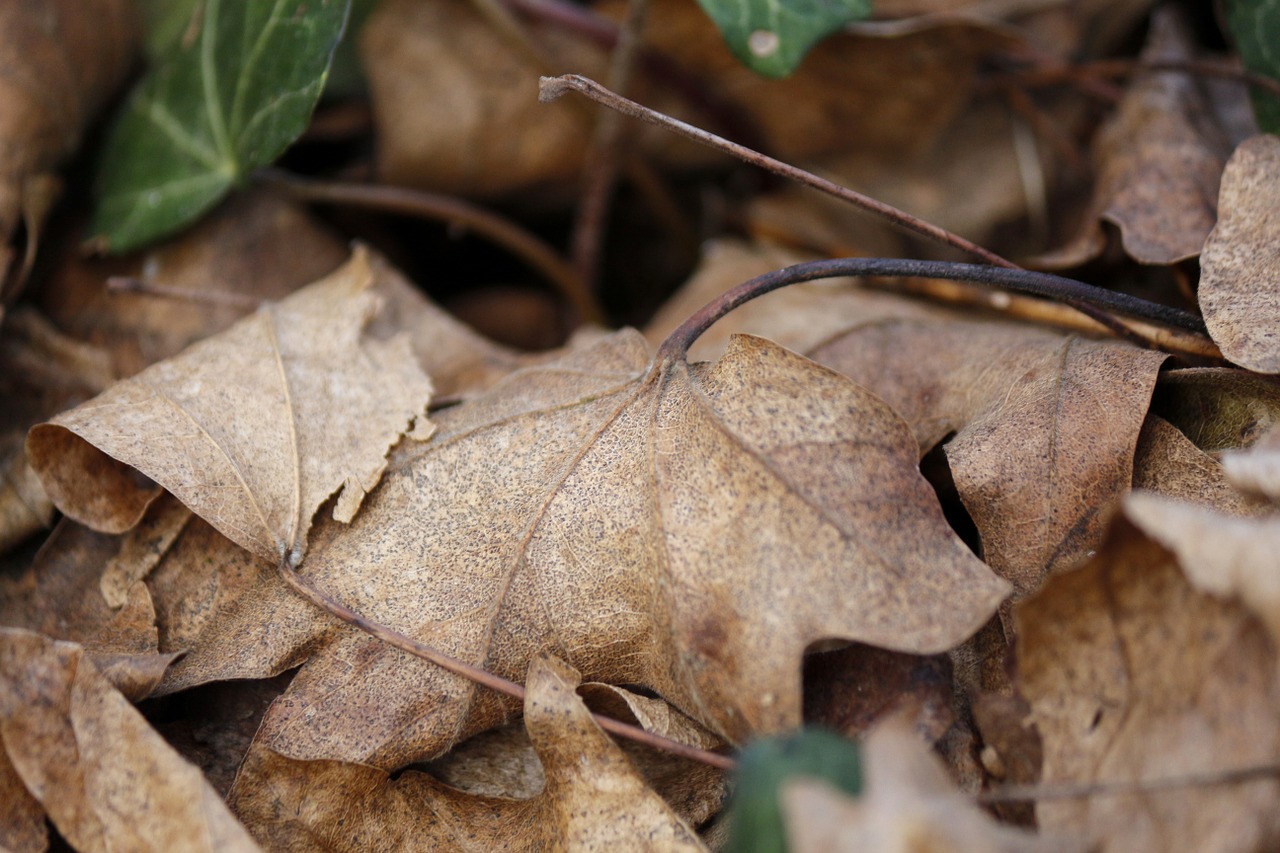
(393, 638)
(552, 88)
(442, 208)
(1028, 282)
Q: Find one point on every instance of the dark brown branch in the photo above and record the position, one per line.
(1017, 280)
(552, 88)
(442, 208)
(475, 674)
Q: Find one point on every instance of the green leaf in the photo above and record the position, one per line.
(1255, 26)
(234, 88)
(771, 36)
(755, 817)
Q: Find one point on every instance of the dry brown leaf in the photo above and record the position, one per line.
(593, 798)
(909, 805)
(22, 826)
(1135, 676)
(1227, 556)
(691, 530)
(105, 778)
(1045, 425)
(42, 372)
(1257, 469)
(254, 247)
(1218, 408)
(252, 429)
(1168, 463)
(1158, 159)
(1241, 261)
(61, 60)
(849, 690)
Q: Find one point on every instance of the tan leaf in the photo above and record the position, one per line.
(1227, 556)
(105, 778)
(1169, 464)
(62, 60)
(692, 530)
(909, 805)
(253, 429)
(1218, 408)
(1045, 425)
(1257, 469)
(1136, 677)
(1159, 159)
(593, 798)
(1241, 261)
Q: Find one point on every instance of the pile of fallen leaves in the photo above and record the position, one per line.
(296, 558)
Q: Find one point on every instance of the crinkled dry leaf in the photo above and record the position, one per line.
(105, 778)
(593, 798)
(62, 60)
(1158, 160)
(909, 805)
(1227, 556)
(1135, 676)
(848, 690)
(252, 429)
(1240, 265)
(1218, 408)
(691, 530)
(1045, 425)
(1168, 463)
(1257, 469)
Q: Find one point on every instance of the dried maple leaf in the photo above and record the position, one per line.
(909, 805)
(252, 429)
(690, 529)
(90, 761)
(593, 798)
(1138, 679)
(1241, 261)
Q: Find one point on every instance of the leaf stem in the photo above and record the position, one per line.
(551, 88)
(1055, 287)
(521, 243)
(475, 674)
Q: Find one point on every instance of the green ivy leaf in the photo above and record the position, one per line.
(755, 817)
(1255, 26)
(771, 36)
(234, 87)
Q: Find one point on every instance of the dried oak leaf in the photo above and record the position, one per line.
(688, 529)
(61, 61)
(1240, 265)
(105, 778)
(1159, 159)
(909, 805)
(252, 429)
(593, 798)
(1136, 676)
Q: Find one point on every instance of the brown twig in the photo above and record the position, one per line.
(128, 284)
(1029, 282)
(1069, 791)
(476, 674)
(552, 88)
(442, 208)
(604, 155)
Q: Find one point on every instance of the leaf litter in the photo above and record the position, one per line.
(689, 535)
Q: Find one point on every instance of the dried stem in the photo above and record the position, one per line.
(552, 88)
(1054, 287)
(441, 208)
(601, 172)
(393, 638)
(1068, 791)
